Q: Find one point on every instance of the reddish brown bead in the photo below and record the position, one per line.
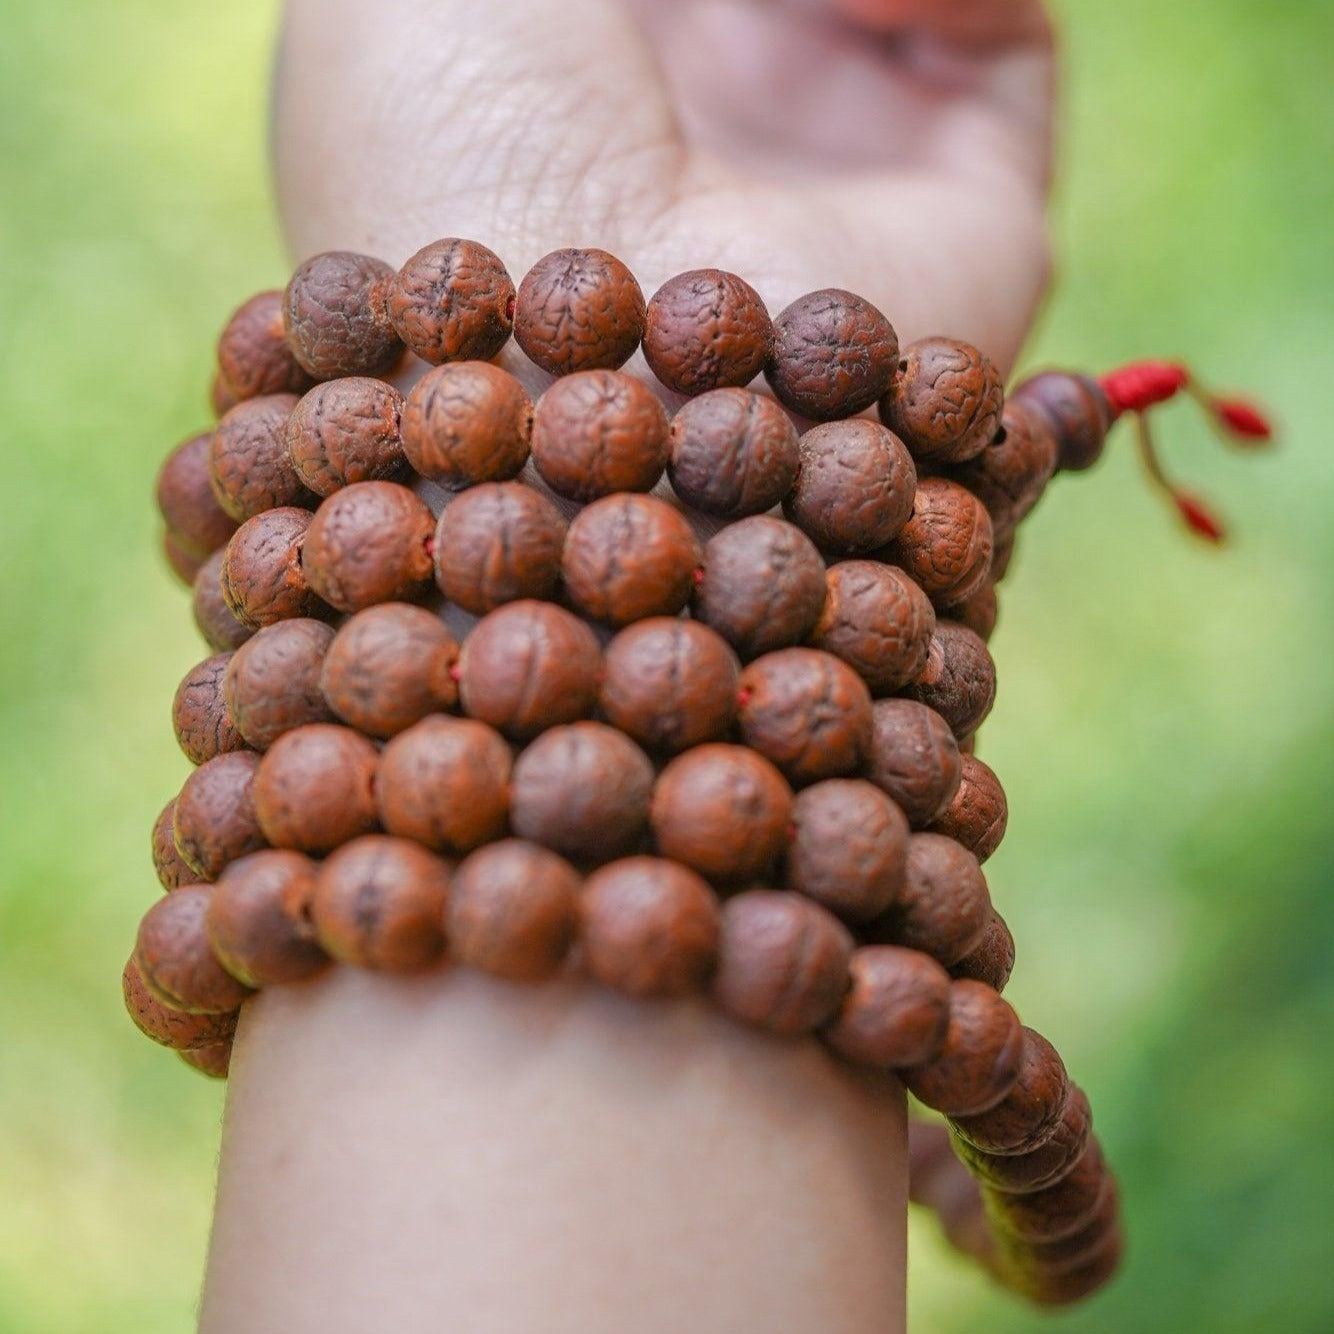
(315, 788)
(196, 524)
(1027, 1116)
(1011, 473)
(183, 565)
(273, 681)
(178, 1029)
(214, 1060)
(388, 667)
(445, 783)
(334, 316)
(369, 543)
(262, 576)
(199, 713)
(221, 629)
(579, 310)
(528, 666)
(627, 557)
(782, 962)
(849, 848)
(945, 400)
(380, 902)
(452, 301)
(248, 463)
(1049, 1214)
(467, 422)
(346, 431)
(648, 927)
(258, 921)
(979, 1060)
(958, 679)
(1077, 411)
(253, 356)
(991, 960)
(670, 684)
(977, 612)
(763, 585)
(599, 432)
(914, 758)
(946, 544)
(582, 790)
(896, 1011)
(1050, 1162)
(1068, 1285)
(833, 354)
(977, 814)
(513, 910)
(878, 621)
(172, 872)
(723, 811)
(807, 712)
(855, 486)
(215, 820)
(706, 329)
(221, 396)
(1001, 556)
(174, 957)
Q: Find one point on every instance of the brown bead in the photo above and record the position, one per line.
(977, 612)
(258, 919)
(178, 1029)
(849, 848)
(253, 355)
(263, 576)
(877, 621)
(388, 667)
(670, 684)
(248, 463)
(174, 957)
(334, 316)
(452, 301)
(1077, 411)
(467, 422)
(732, 453)
(1069, 1285)
(221, 396)
(273, 681)
(914, 758)
(1050, 1162)
(214, 1060)
(579, 310)
(199, 714)
(599, 432)
(184, 565)
(370, 542)
(977, 814)
(833, 354)
(582, 790)
(1049, 1214)
(782, 962)
(196, 523)
(1011, 473)
(1027, 1116)
(807, 712)
(346, 431)
(958, 679)
(945, 400)
(946, 544)
(215, 820)
(943, 906)
(1001, 556)
(979, 1060)
(172, 872)
(706, 329)
(896, 1011)
(648, 927)
(513, 910)
(220, 628)
(855, 486)
(763, 585)
(722, 810)
(380, 902)
(991, 960)
(445, 783)
(528, 666)
(629, 556)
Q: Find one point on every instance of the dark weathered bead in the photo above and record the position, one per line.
(248, 462)
(977, 814)
(262, 576)
(807, 712)
(579, 310)
(178, 1029)
(334, 316)
(175, 959)
(722, 810)
(1011, 473)
(1067, 1285)
(213, 1060)
(833, 354)
(497, 543)
(1018, 1173)
(670, 684)
(1076, 409)
(1027, 1116)
(346, 431)
(582, 790)
(914, 758)
(991, 960)
(467, 422)
(172, 872)
(630, 556)
(977, 612)
(706, 329)
(220, 628)
(944, 401)
(1049, 1214)
(199, 713)
(215, 820)
(946, 544)
(763, 585)
(958, 679)
(896, 1011)
(273, 681)
(253, 355)
(452, 301)
(528, 666)
(648, 927)
(849, 848)
(196, 524)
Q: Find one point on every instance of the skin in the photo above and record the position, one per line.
(448, 1152)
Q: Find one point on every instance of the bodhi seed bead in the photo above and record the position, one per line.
(944, 401)
(1077, 411)
(334, 316)
(174, 957)
(346, 431)
(215, 820)
(648, 927)
(183, 565)
(958, 679)
(914, 758)
(706, 329)
(946, 545)
(579, 310)
(199, 712)
(896, 1011)
(263, 578)
(977, 813)
(388, 667)
(221, 396)
(196, 524)
(248, 463)
(1019, 1173)
(178, 1029)
(1055, 1211)
(992, 959)
(220, 628)
(977, 612)
(272, 683)
(1027, 1116)
(172, 872)
(253, 355)
(1011, 473)
(452, 301)
(214, 1060)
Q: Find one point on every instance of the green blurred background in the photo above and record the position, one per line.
(1165, 720)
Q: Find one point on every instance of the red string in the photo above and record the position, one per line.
(1142, 384)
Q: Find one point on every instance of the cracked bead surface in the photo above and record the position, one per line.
(273, 681)
(346, 431)
(179, 1029)
(212, 616)
(215, 821)
(958, 679)
(1077, 411)
(175, 959)
(248, 462)
(253, 355)
(896, 1011)
(944, 401)
(914, 758)
(991, 960)
(1054, 1211)
(706, 329)
(199, 714)
(946, 544)
(172, 872)
(335, 319)
(196, 523)
(1019, 1173)
(1011, 473)
(978, 812)
(452, 301)
(262, 577)
(1027, 1116)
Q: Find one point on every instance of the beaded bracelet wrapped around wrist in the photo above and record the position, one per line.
(457, 707)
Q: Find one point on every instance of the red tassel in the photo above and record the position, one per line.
(1242, 420)
(1141, 384)
(1198, 517)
